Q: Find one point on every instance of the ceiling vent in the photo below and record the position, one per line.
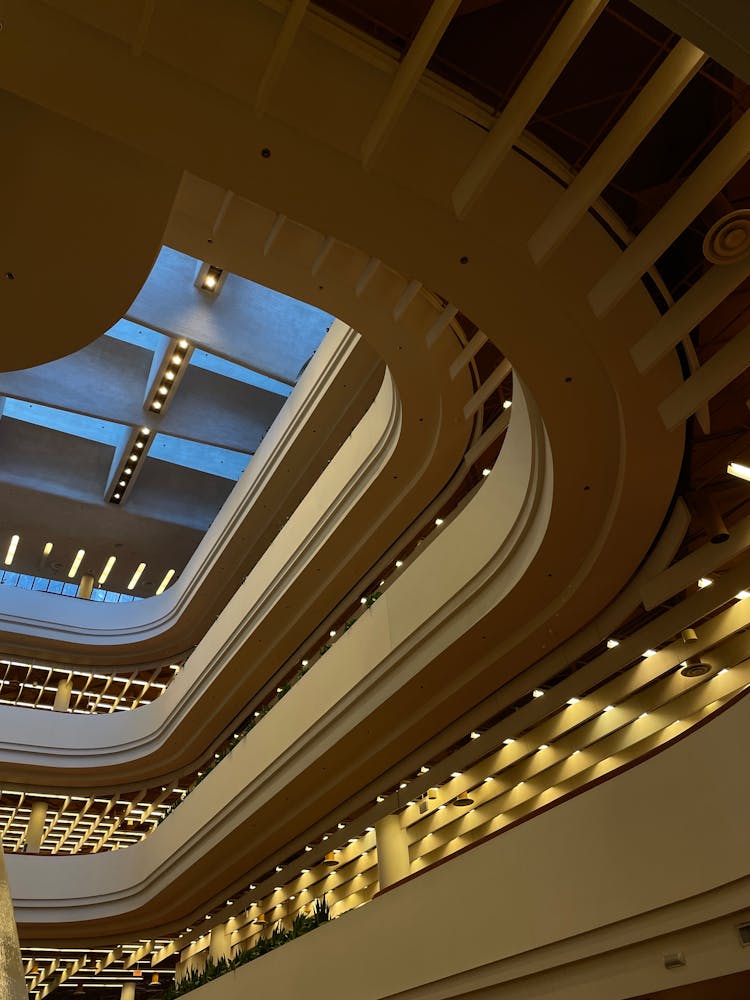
(744, 932)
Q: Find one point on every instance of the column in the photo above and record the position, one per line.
(35, 829)
(85, 586)
(12, 983)
(219, 945)
(62, 695)
(393, 851)
(128, 991)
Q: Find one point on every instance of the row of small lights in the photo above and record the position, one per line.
(170, 374)
(78, 558)
(129, 465)
(464, 800)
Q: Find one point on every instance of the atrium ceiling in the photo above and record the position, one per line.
(225, 359)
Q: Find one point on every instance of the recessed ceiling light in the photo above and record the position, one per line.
(176, 359)
(573, 701)
(612, 643)
(544, 746)
(165, 582)
(117, 496)
(363, 600)
(438, 521)
(399, 563)
(740, 471)
(122, 482)
(538, 693)
(380, 798)
(304, 663)
(608, 708)
(107, 569)
(134, 457)
(169, 376)
(76, 563)
(649, 652)
(507, 404)
(13, 545)
(47, 548)
(145, 431)
(705, 581)
(455, 774)
(332, 633)
(183, 344)
(156, 405)
(209, 282)
(486, 472)
(475, 735)
(139, 444)
(136, 576)
(128, 471)
(507, 741)
(742, 596)
(163, 390)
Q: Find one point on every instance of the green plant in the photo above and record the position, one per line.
(303, 923)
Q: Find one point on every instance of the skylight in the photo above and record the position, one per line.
(77, 424)
(140, 336)
(202, 457)
(213, 363)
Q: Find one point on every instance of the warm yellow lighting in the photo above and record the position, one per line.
(136, 576)
(573, 701)
(537, 693)
(743, 595)
(455, 774)
(209, 281)
(133, 457)
(486, 472)
(47, 548)
(11, 549)
(163, 390)
(507, 404)
(117, 496)
(475, 735)
(183, 344)
(145, 431)
(649, 652)
(169, 376)
(740, 471)
(165, 582)
(544, 746)
(107, 569)
(399, 563)
(438, 521)
(176, 359)
(507, 741)
(122, 482)
(156, 405)
(76, 563)
(612, 643)
(304, 663)
(705, 581)
(608, 708)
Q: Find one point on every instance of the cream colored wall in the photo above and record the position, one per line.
(634, 864)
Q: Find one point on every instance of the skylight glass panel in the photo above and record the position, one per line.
(76, 424)
(140, 336)
(202, 457)
(229, 369)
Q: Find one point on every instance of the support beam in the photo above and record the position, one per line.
(407, 76)
(35, 829)
(280, 52)
(476, 343)
(322, 255)
(669, 80)
(62, 695)
(705, 182)
(367, 275)
(393, 851)
(442, 323)
(12, 983)
(531, 91)
(697, 303)
(486, 389)
(406, 298)
(278, 225)
(721, 369)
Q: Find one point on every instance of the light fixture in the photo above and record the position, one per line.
(122, 483)
(695, 667)
(743, 595)
(136, 576)
(210, 278)
(507, 741)
(740, 471)
(279, 868)
(156, 405)
(116, 496)
(573, 701)
(649, 652)
(402, 785)
(363, 600)
(341, 826)
(128, 471)
(463, 800)
(544, 746)
(133, 457)
(330, 860)
(107, 569)
(486, 472)
(507, 404)
(165, 582)
(455, 774)
(304, 663)
(705, 581)
(608, 708)
(76, 563)
(424, 770)
(11, 549)
(399, 563)
(438, 521)
(308, 849)
(183, 344)
(612, 643)
(475, 735)
(537, 693)
(47, 548)
(177, 359)
(163, 390)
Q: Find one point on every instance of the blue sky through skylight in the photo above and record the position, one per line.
(104, 431)
(213, 363)
(202, 457)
